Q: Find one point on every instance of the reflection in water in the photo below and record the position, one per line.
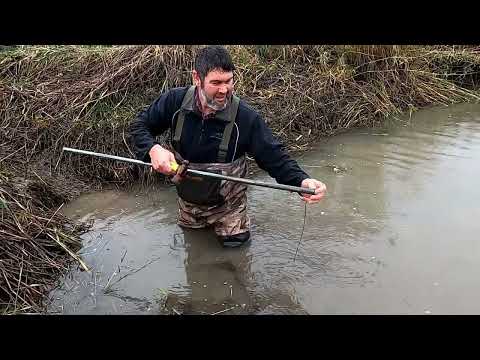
(213, 275)
(396, 234)
(221, 280)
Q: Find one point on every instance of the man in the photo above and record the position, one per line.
(214, 130)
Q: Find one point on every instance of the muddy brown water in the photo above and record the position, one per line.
(398, 233)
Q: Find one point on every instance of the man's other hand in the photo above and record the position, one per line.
(320, 190)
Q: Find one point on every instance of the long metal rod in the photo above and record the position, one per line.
(202, 173)
(253, 182)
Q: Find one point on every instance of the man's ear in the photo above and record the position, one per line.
(196, 78)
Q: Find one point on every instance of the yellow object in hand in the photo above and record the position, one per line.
(174, 166)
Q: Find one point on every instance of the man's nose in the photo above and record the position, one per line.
(223, 89)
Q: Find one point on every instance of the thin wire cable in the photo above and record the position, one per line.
(303, 229)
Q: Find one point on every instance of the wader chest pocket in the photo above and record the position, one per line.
(201, 191)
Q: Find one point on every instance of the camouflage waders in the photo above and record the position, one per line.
(204, 201)
(230, 217)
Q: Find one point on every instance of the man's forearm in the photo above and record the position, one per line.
(148, 124)
(142, 138)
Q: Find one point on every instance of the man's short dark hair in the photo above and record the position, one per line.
(212, 57)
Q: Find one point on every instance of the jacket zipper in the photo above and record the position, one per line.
(202, 132)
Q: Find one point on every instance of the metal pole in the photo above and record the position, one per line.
(202, 173)
(252, 182)
(85, 152)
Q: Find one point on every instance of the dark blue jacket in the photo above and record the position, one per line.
(201, 138)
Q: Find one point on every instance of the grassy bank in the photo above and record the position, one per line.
(86, 96)
(37, 244)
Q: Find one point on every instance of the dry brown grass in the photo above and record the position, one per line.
(37, 243)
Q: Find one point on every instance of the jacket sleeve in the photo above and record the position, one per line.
(151, 122)
(271, 156)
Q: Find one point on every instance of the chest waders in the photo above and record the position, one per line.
(209, 201)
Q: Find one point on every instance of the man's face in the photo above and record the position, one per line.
(216, 88)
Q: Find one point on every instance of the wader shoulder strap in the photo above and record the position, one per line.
(223, 148)
(187, 104)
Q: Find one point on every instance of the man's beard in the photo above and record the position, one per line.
(212, 104)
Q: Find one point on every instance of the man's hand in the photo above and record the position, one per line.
(161, 160)
(320, 190)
